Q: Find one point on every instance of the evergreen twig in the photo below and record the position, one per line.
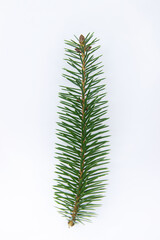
(83, 133)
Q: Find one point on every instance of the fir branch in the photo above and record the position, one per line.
(83, 132)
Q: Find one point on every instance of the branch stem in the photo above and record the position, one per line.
(76, 205)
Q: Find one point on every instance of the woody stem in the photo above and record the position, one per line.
(75, 209)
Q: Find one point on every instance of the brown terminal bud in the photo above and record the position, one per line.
(81, 39)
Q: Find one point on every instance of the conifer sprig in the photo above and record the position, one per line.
(83, 148)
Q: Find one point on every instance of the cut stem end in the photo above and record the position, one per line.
(70, 223)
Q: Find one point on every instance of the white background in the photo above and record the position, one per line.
(32, 37)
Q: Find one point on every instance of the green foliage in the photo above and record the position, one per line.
(83, 146)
